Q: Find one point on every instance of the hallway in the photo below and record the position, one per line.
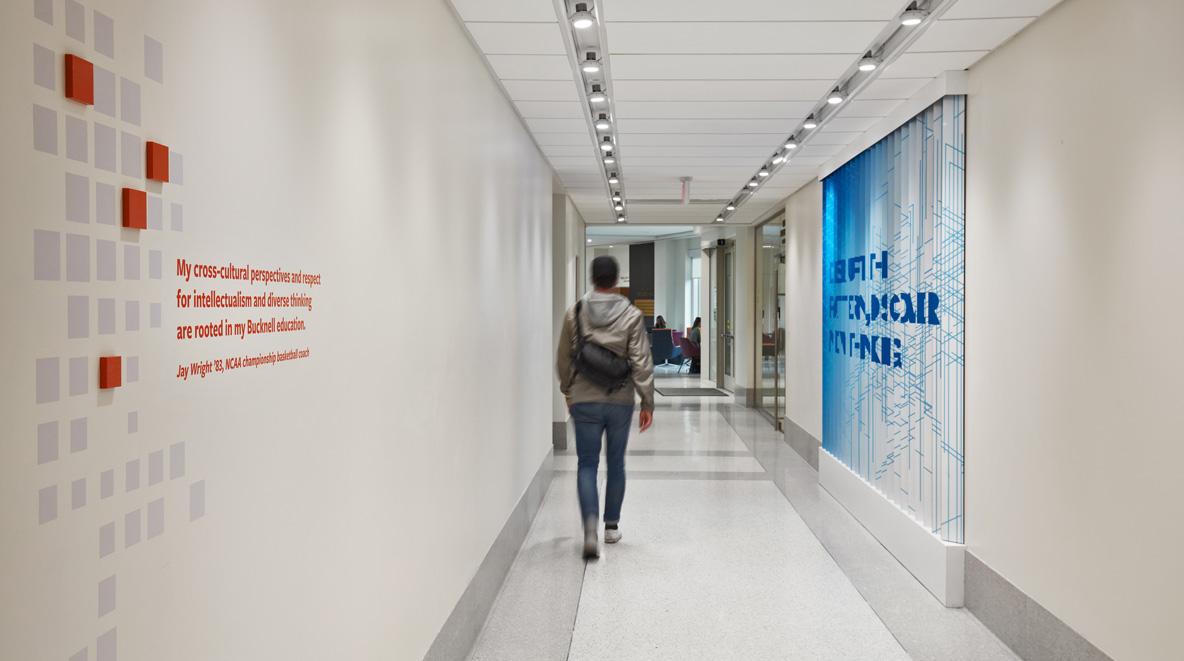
(730, 550)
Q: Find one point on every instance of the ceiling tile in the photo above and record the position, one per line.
(828, 137)
(748, 10)
(568, 150)
(692, 151)
(762, 37)
(542, 90)
(506, 10)
(581, 137)
(725, 126)
(930, 65)
(998, 8)
(551, 110)
(893, 88)
(729, 67)
(860, 107)
(712, 109)
(984, 34)
(720, 90)
(851, 124)
(767, 140)
(813, 149)
(641, 161)
(531, 67)
(518, 38)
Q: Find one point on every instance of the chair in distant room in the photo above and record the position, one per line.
(663, 346)
(690, 353)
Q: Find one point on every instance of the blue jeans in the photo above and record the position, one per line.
(593, 420)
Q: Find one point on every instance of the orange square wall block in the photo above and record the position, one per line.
(158, 162)
(110, 371)
(80, 80)
(135, 209)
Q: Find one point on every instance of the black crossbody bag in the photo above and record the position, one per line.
(598, 364)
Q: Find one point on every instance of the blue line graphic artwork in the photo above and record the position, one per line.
(893, 301)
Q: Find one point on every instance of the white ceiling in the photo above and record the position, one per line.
(710, 89)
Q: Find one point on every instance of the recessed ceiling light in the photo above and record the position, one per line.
(754, 183)
(597, 96)
(620, 219)
(608, 159)
(869, 63)
(607, 143)
(616, 197)
(590, 64)
(778, 158)
(582, 18)
(913, 17)
(731, 206)
(810, 123)
(719, 219)
(602, 123)
(612, 178)
(792, 143)
(619, 207)
(589, 240)
(835, 97)
(764, 171)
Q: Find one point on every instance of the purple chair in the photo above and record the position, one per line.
(690, 352)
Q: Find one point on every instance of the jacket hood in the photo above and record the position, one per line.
(601, 309)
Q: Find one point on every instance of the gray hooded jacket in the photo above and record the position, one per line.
(612, 322)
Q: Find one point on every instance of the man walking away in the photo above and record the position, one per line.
(606, 319)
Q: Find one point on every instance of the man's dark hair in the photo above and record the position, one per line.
(604, 272)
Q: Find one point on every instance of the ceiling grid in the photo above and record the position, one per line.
(711, 90)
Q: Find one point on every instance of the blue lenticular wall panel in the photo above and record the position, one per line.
(893, 298)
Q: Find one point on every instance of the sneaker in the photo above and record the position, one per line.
(612, 535)
(591, 547)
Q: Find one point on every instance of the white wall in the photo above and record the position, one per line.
(568, 282)
(803, 308)
(350, 496)
(1073, 448)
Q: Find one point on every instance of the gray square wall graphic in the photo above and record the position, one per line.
(106, 595)
(131, 262)
(107, 483)
(132, 368)
(77, 140)
(131, 317)
(176, 211)
(133, 423)
(78, 494)
(106, 316)
(77, 198)
(78, 435)
(105, 647)
(79, 376)
(176, 168)
(77, 317)
(80, 655)
(106, 205)
(45, 67)
(77, 258)
(105, 93)
(43, 10)
(155, 476)
(105, 260)
(131, 529)
(154, 315)
(153, 60)
(45, 130)
(155, 268)
(131, 480)
(47, 442)
(47, 255)
(49, 375)
(156, 518)
(197, 500)
(107, 539)
(176, 460)
(130, 150)
(129, 101)
(155, 212)
(47, 505)
(105, 151)
(75, 21)
(104, 29)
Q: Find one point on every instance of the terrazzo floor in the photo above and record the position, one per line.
(717, 562)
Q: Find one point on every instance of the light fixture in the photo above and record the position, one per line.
(619, 207)
(608, 158)
(620, 219)
(836, 97)
(869, 63)
(810, 123)
(590, 64)
(602, 122)
(754, 183)
(731, 206)
(582, 18)
(607, 143)
(589, 240)
(778, 158)
(597, 96)
(616, 196)
(612, 178)
(913, 17)
(719, 219)
(764, 171)
(792, 143)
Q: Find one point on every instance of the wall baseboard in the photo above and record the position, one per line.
(459, 633)
(938, 565)
(559, 435)
(1019, 621)
(802, 441)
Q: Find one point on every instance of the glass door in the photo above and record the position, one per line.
(727, 324)
(770, 320)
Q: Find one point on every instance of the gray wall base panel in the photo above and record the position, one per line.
(745, 397)
(803, 442)
(559, 435)
(459, 633)
(1025, 626)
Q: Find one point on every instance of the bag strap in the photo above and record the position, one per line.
(575, 366)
